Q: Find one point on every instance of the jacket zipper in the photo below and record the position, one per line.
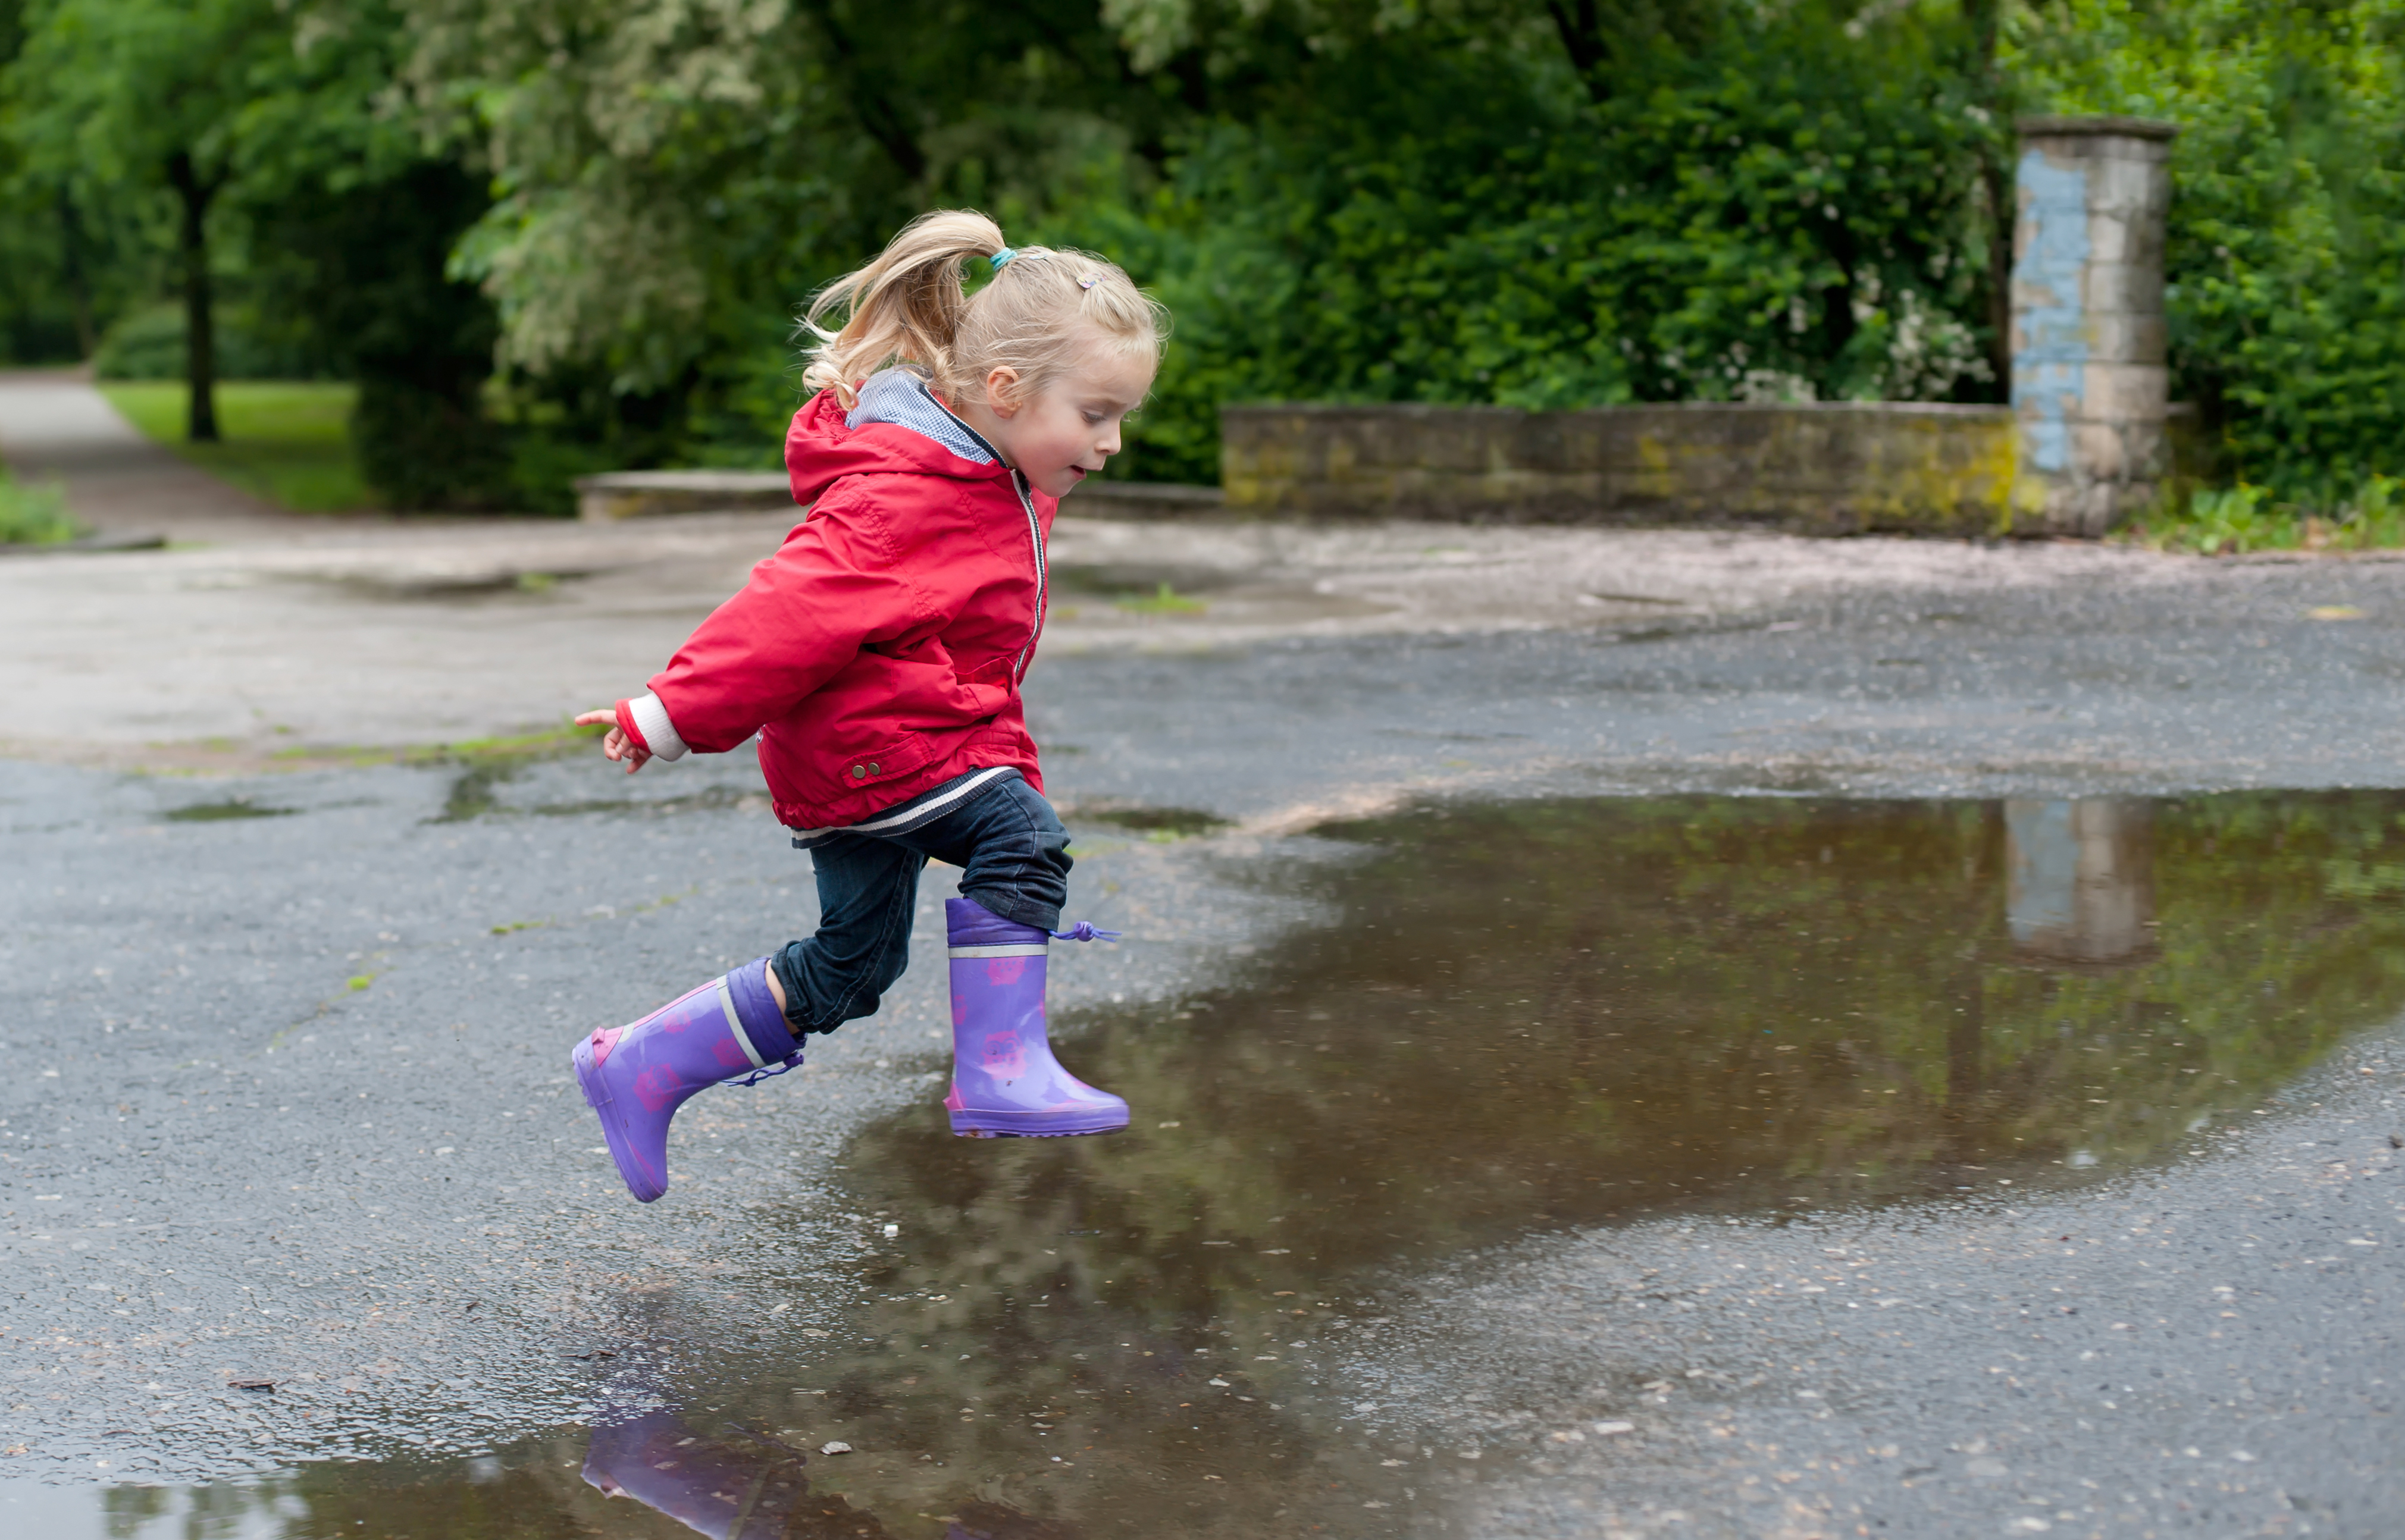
(1036, 540)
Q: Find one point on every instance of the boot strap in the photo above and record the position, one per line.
(765, 1071)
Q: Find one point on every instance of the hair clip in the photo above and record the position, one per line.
(1089, 281)
(1005, 255)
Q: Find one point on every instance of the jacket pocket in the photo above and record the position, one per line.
(985, 690)
(994, 670)
(910, 752)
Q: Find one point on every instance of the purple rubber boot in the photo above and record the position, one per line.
(1006, 1081)
(745, 1486)
(636, 1077)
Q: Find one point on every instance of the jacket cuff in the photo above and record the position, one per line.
(644, 719)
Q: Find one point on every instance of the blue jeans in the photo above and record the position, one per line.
(1014, 859)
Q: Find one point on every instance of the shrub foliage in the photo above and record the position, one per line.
(548, 235)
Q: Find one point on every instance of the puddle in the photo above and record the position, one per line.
(231, 808)
(405, 586)
(1174, 822)
(478, 791)
(1140, 581)
(1510, 1019)
(474, 791)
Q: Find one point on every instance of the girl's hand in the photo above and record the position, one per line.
(616, 746)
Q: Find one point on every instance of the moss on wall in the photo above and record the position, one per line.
(1838, 467)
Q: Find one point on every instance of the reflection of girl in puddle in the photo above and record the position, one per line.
(743, 1485)
(877, 655)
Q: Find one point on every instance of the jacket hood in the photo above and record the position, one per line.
(819, 450)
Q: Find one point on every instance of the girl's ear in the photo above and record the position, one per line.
(1001, 391)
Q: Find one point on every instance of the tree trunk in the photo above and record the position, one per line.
(1599, 35)
(1996, 181)
(2004, 212)
(199, 331)
(77, 279)
(871, 103)
(1581, 31)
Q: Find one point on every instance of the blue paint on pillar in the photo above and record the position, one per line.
(2050, 367)
(2042, 883)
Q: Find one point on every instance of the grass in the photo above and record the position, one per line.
(2235, 519)
(33, 516)
(1164, 600)
(287, 443)
(517, 748)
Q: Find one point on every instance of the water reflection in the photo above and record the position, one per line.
(738, 1483)
(743, 1486)
(1514, 1019)
(2082, 886)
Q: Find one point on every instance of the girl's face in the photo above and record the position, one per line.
(1065, 432)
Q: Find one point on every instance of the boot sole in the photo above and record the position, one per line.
(588, 1077)
(970, 1125)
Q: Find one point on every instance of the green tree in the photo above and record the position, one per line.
(150, 93)
(352, 215)
(1541, 213)
(673, 179)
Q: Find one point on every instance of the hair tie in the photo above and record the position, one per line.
(999, 257)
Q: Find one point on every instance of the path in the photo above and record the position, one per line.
(55, 426)
(292, 1104)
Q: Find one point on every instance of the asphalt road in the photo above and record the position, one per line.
(290, 1097)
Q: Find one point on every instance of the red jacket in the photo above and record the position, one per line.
(879, 652)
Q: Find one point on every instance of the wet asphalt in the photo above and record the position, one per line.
(288, 1096)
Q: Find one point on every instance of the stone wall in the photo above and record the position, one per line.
(2089, 441)
(618, 495)
(1836, 467)
(641, 494)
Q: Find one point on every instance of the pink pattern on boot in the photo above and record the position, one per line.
(658, 1087)
(1005, 1057)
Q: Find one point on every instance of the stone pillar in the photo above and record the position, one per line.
(2091, 380)
(2080, 878)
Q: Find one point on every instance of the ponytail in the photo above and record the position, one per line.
(910, 306)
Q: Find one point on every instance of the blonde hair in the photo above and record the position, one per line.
(1043, 308)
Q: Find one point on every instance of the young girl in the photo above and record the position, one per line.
(877, 655)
